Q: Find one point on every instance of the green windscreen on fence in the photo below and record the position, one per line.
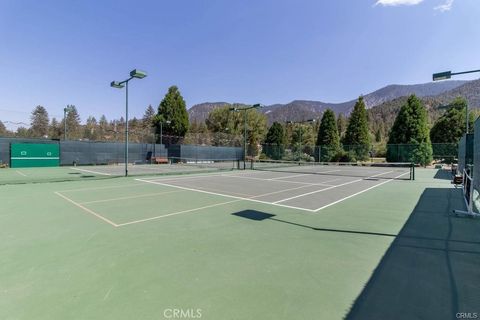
(23, 155)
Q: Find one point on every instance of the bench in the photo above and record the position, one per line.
(159, 160)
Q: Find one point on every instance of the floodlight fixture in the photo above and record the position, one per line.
(139, 74)
(116, 84)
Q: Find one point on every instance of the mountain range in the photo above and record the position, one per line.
(436, 93)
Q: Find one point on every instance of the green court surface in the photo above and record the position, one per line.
(127, 248)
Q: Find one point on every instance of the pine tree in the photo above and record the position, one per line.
(73, 123)
(303, 141)
(3, 129)
(148, 116)
(411, 127)
(274, 147)
(172, 108)
(378, 135)
(451, 126)
(91, 131)
(328, 139)
(54, 130)
(103, 127)
(357, 137)
(341, 124)
(223, 120)
(22, 132)
(39, 122)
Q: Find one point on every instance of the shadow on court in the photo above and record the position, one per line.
(260, 216)
(443, 174)
(431, 270)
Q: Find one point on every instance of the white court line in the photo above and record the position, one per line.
(222, 195)
(86, 209)
(91, 171)
(275, 192)
(355, 194)
(295, 182)
(104, 187)
(178, 212)
(339, 185)
(21, 173)
(303, 174)
(131, 197)
(183, 177)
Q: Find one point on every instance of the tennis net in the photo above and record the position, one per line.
(169, 166)
(367, 170)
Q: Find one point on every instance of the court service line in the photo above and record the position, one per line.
(104, 187)
(303, 174)
(329, 188)
(188, 176)
(355, 194)
(131, 197)
(274, 180)
(223, 195)
(86, 209)
(21, 173)
(178, 212)
(275, 192)
(91, 171)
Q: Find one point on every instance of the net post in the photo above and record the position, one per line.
(412, 171)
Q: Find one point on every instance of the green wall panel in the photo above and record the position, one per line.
(24, 155)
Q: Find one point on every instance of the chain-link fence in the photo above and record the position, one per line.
(96, 153)
(442, 152)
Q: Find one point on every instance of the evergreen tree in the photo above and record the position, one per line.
(328, 139)
(39, 122)
(22, 132)
(223, 120)
(3, 130)
(172, 108)
(451, 126)
(303, 141)
(341, 124)
(378, 135)
(91, 128)
(275, 142)
(148, 116)
(73, 123)
(411, 127)
(54, 130)
(357, 137)
(103, 127)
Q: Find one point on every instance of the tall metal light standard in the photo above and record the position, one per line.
(161, 129)
(245, 109)
(119, 85)
(447, 75)
(65, 111)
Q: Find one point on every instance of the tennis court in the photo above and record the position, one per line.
(276, 243)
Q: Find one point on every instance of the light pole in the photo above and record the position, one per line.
(447, 75)
(161, 129)
(119, 85)
(65, 111)
(245, 109)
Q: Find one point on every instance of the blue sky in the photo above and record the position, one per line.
(55, 53)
